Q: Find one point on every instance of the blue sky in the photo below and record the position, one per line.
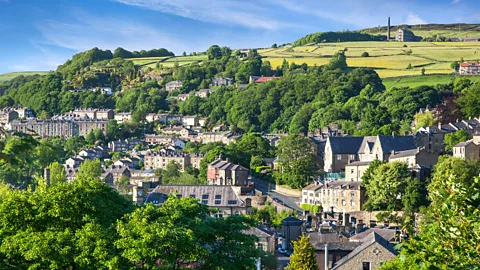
(41, 34)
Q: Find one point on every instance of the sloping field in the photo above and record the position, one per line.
(11, 75)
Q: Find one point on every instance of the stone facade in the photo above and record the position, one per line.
(158, 160)
(222, 172)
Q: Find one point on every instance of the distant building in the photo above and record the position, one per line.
(469, 150)
(405, 35)
(222, 81)
(190, 121)
(103, 90)
(24, 113)
(92, 113)
(223, 198)
(163, 118)
(123, 117)
(340, 196)
(223, 172)
(65, 128)
(266, 238)
(263, 79)
(7, 115)
(153, 139)
(174, 85)
(469, 68)
(123, 145)
(225, 137)
(203, 93)
(159, 160)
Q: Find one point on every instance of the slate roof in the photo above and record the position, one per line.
(368, 140)
(226, 193)
(312, 187)
(406, 153)
(387, 234)
(343, 185)
(463, 144)
(359, 163)
(259, 232)
(338, 246)
(345, 145)
(396, 143)
(292, 221)
(369, 240)
(224, 165)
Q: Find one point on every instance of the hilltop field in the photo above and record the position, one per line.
(11, 75)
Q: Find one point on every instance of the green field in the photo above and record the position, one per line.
(430, 30)
(389, 59)
(414, 81)
(11, 75)
(166, 62)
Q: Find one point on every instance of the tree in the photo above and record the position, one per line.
(74, 144)
(63, 226)
(303, 257)
(452, 139)
(423, 71)
(274, 45)
(171, 173)
(338, 61)
(296, 156)
(214, 52)
(469, 101)
(424, 119)
(57, 173)
(387, 186)
(43, 115)
(365, 54)
(184, 54)
(268, 260)
(113, 129)
(188, 238)
(89, 169)
(447, 237)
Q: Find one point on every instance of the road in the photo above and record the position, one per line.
(289, 201)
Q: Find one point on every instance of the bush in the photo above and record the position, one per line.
(405, 45)
(365, 54)
(311, 208)
(409, 66)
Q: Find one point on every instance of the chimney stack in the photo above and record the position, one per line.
(388, 29)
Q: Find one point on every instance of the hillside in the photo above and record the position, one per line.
(458, 30)
(389, 59)
(11, 75)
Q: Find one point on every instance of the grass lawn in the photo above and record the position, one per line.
(11, 75)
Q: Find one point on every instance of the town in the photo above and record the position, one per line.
(341, 149)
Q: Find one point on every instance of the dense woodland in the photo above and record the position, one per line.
(323, 37)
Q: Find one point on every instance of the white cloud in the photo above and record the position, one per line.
(85, 32)
(414, 19)
(231, 12)
(456, 1)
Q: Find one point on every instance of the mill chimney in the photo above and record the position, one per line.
(388, 29)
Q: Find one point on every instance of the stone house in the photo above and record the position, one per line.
(74, 162)
(369, 255)
(190, 121)
(311, 194)
(203, 93)
(222, 81)
(340, 151)
(469, 68)
(469, 150)
(341, 196)
(385, 145)
(355, 170)
(223, 172)
(116, 171)
(7, 115)
(174, 85)
(224, 137)
(24, 113)
(123, 117)
(266, 238)
(159, 160)
(195, 160)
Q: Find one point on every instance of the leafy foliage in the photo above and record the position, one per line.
(452, 139)
(323, 37)
(303, 257)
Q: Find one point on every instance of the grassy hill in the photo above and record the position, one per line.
(11, 75)
(166, 62)
(458, 30)
(389, 59)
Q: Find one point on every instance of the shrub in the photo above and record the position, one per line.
(409, 66)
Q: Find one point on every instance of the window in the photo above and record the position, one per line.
(205, 201)
(192, 196)
(352, 171)
(352, 193)
(204, 196)
(352, 203)
(365, 265)
(343, 193)
(352, 157)
(218, 197)
(217, 201)
(339, 157)
(230, 202)
(344, 202)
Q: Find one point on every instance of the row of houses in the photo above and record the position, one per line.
(160, 160)
(9, 114)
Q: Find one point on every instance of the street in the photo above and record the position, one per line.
(289, 201)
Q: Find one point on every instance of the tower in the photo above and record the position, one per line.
(388, 29)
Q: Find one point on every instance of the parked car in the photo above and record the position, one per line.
(282, 251)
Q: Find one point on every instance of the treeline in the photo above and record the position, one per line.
(122, 53)
(344, 36)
